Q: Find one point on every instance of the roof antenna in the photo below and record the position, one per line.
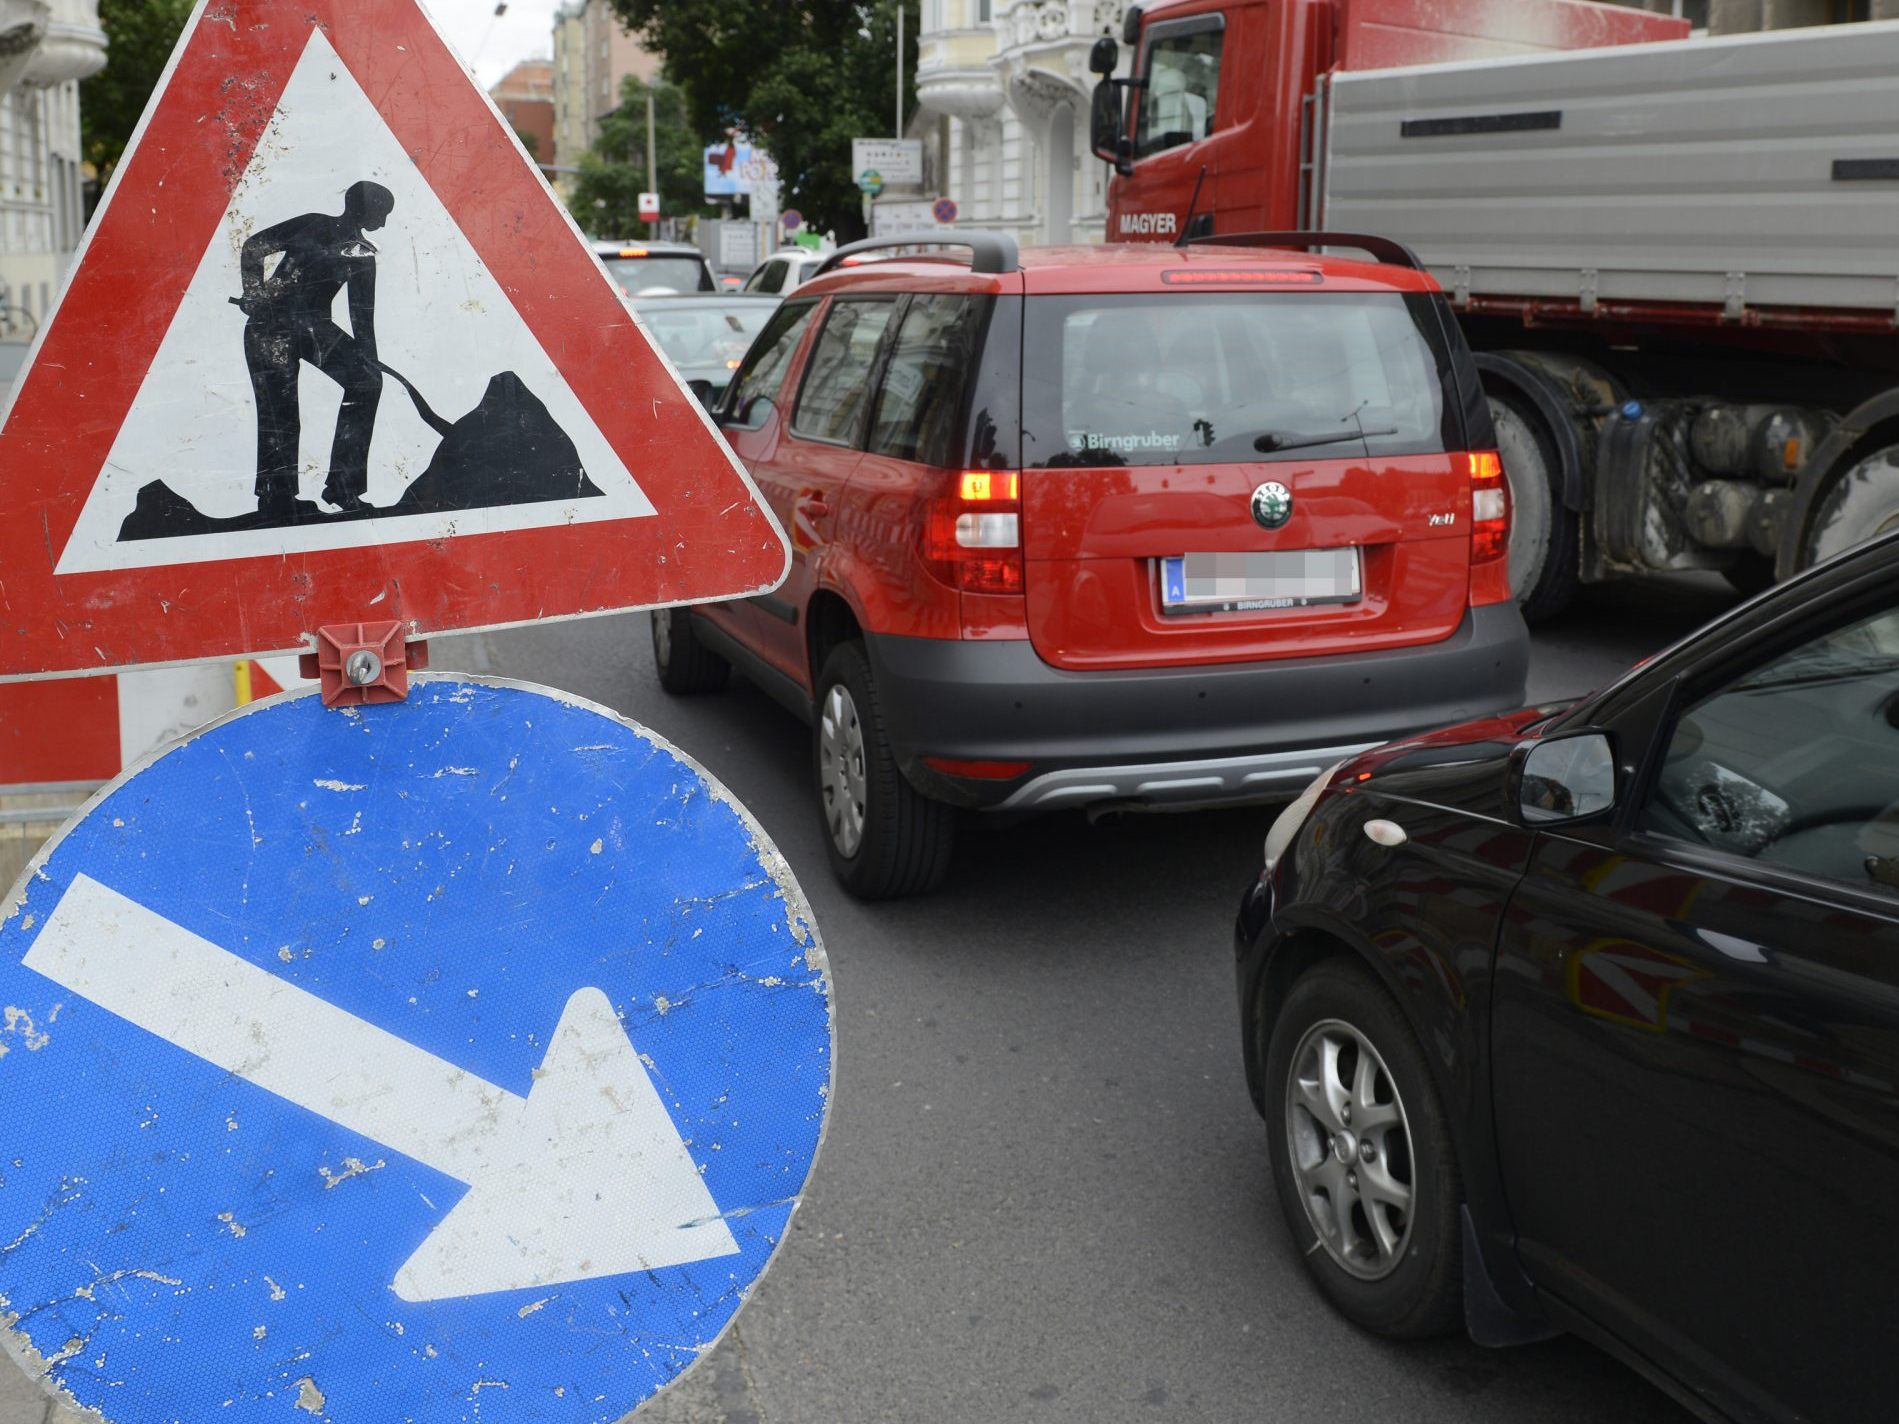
(1193, 209)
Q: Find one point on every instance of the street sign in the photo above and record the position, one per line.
(792, 219)
(649, 207)
(365, 1062)
(332, 351)
(899, 160)
(904, 217)
(945, 210)
(871, 182)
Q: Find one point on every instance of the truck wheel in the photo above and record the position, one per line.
(1363, 1162)
(684, 664)
(1862, 505)
(884, 838)
(1544, 554)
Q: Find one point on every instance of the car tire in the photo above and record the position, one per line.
(884, 838)
(684, 664)
(1398, 1273)
(1545, 552)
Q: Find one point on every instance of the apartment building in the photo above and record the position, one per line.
(593, 55)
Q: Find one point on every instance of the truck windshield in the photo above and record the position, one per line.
(1205, 378)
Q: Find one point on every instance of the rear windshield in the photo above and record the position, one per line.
(1206, 378)
(661, 272)
(705, 333)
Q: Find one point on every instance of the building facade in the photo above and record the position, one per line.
(1003, 91)
(593, 55)
(46, 48)
(525, 97)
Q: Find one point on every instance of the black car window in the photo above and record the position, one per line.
(921, 399)
(769, 278)
(1202, 377)
(1796, 762)
(763, 370)
(837, 382)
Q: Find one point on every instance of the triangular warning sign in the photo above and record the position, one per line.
(332, 351)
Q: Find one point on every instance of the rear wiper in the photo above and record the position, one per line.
(1274, 440)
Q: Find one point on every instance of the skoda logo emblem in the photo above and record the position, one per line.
(1272, 505)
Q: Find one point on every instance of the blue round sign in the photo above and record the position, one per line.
(945, 210)
(365, 1062)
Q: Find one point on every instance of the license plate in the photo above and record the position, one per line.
(1259, 582)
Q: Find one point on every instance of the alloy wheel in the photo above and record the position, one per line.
(841, 778)
(1350, 1148)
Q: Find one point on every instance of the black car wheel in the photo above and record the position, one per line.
(683, 663)
(1362, 1157)
(885, 839)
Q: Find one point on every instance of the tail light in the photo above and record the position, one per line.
(973, 541)
(1489, 528)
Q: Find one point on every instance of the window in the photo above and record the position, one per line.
(1796, 763)
(1183, 84)
(1199, 378)
(837, 385)
(920, 400)
(769, 278)
(763, 371)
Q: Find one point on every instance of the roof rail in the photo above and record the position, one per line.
(1384, 249)
(988, 251)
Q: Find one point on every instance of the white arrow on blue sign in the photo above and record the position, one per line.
(366, 1061)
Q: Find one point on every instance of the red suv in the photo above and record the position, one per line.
(1134, 525)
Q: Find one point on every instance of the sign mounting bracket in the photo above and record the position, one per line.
(362, 664)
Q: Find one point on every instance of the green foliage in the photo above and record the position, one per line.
(801, 77)
(613, 172)
(531, 142)
(142, 34)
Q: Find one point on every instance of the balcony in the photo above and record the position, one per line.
(22, 27)
(1044, 61)
(74, 47)
(955, 73)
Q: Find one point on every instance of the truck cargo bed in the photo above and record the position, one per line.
(1743, 173)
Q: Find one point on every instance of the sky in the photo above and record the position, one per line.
(495, 45)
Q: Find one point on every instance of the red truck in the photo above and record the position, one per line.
(1676, 258)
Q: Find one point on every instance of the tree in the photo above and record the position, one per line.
(613, 171)
(142, 34)
(802, 78)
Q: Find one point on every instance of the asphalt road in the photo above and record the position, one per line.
(1044, 1195)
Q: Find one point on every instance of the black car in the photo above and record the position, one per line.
(1588, 1019)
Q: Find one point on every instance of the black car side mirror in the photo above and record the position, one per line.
(1105, 55)
(1567, 779)
(1105, 120)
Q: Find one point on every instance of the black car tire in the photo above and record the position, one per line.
(1422, 1295)
(684, 664)
(890, 841)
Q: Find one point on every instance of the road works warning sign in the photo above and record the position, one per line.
(332, 351)
(455, 1059)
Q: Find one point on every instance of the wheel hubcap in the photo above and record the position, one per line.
(1350, 1147)
(663, 638)
(1530, 512)
(841, 770)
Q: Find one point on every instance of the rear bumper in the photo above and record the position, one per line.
(1178, 736)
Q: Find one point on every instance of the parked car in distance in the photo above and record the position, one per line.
(644, 268)
(786, 270)
(705, 335)
(1135, 526)
(1588, 1019)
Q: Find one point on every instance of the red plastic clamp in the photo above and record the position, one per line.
(363, 663)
